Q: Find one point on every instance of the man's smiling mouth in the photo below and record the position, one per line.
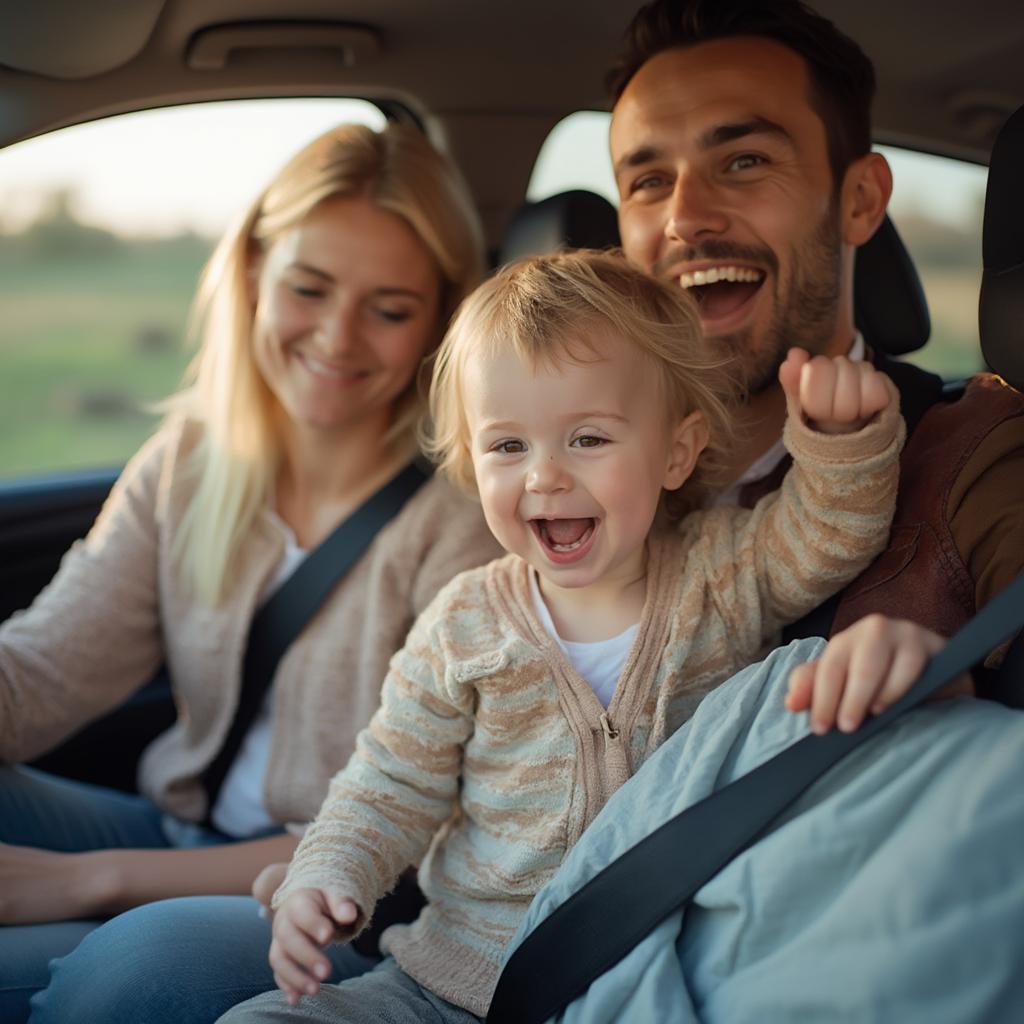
(722, 290)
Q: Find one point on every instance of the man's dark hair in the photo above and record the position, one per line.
(842, 77)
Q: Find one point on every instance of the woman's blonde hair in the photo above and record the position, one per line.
(547, 309)
(239, 454)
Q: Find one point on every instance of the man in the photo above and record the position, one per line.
(741, 142)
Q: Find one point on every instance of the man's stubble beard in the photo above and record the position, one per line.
(805, 317)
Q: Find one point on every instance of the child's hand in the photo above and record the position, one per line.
(303, 924)
(865, 668)
(834, 395)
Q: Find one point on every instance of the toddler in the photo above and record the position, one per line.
(574, 394)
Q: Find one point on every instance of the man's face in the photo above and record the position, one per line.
(725, 187)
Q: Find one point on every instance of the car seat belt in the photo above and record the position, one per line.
(601, 922)
(278, 622)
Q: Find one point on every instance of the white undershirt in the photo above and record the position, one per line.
(239, 810)
(765, 463)
(599, 663)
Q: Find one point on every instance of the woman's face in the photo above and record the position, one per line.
(347, 303)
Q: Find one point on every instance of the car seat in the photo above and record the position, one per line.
(889, 304)
(1001, 315)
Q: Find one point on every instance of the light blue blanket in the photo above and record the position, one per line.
(893, 890)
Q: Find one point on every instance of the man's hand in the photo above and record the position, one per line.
(833, 395)
(303, 925)
(865, 668)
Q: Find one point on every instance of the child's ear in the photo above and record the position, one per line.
(689, 439)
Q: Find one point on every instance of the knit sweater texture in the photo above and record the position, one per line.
(118, 608)
(489, 755)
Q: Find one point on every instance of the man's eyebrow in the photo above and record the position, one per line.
(731, 131)
(716, 136)
(636, 158)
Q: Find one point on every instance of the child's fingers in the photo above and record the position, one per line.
(914, 646)
(846, 398)
(801, 686)
(297, 954)
(342, 909)
(829, 680)
(875, 392)
(870, 666)
(290, 974)
(789, 378)
(818, 388)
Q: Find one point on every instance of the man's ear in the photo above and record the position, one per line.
(689, 439)
(867, 186)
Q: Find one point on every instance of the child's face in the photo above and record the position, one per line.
(571, 460)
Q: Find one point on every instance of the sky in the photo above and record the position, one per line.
(191, 168)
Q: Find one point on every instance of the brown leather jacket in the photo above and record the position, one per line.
(958, 534)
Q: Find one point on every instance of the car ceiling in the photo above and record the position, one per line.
(488, 79)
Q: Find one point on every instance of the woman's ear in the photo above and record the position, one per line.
(689, 439)
(867, 186)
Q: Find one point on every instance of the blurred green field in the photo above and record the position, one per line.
(88, 339)
(85, 346)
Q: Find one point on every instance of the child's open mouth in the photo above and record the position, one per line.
(565, 540)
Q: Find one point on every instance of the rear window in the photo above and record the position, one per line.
(937, 206)
(104, 228)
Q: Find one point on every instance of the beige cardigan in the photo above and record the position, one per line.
(491, 755)
(117, 609)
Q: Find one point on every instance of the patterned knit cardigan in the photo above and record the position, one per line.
(490, 755)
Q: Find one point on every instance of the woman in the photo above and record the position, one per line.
(318, 308)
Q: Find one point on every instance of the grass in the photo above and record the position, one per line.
(86, 345)
(84, 348)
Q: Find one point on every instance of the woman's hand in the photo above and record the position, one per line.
(267, 883)
(865, 668)
(303, 925)
(37, 886)
(833, 395)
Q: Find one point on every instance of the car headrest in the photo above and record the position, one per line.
(570, 220)
(1001, 304)
(889, 305)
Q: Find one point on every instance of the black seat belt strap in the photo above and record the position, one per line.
(296, 601)
(601, 922)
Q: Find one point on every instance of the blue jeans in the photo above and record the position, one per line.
(182, 960)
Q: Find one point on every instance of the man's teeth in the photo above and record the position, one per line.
(715, 274)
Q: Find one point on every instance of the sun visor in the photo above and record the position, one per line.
(74, 38)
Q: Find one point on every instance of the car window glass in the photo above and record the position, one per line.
(104, 228)
(937, 206)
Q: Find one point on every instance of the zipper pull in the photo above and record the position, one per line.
(610, 731)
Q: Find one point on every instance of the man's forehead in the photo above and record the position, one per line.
(685, 93)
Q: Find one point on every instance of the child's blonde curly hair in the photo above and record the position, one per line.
(549, 308)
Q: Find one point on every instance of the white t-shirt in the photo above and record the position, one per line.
(599, 663)
(239, 810)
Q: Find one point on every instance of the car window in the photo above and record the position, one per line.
(104, 228)
(937, 206)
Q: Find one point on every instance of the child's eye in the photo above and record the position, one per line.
(589, 441)
(510, 446)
